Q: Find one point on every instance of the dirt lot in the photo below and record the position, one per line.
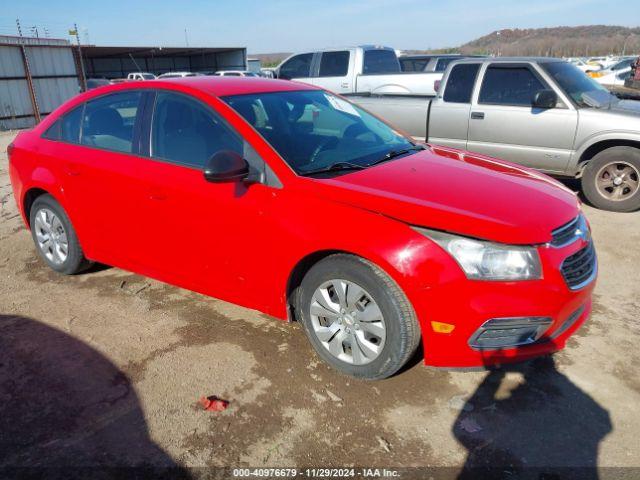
(105, 368)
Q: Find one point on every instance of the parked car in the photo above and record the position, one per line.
(284, 198)
(616, 74)
(178, 75)
(235, 73)
(364, 69)
(429, 63)
(539, 112)
(140, 76)
(581, 64)
(97, 82)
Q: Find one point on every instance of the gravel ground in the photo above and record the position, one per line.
(106, 368)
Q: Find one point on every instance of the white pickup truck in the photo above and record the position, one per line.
(364, 69)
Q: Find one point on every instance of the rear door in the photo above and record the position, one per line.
(333, 71)
(98, 151)
(503, 124)
(449, 113)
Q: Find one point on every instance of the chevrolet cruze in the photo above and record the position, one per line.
(287, 199)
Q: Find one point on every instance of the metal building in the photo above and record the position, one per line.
(36, 76)
(117, 62)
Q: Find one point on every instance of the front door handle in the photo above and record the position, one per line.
(157, 194)
(477, 115)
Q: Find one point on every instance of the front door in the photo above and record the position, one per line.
(333, 72)
(201, 235)
(503, 124)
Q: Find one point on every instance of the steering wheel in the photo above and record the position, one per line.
(326, 144)
(356, 129)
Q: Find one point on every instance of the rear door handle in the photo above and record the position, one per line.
(477, 115)
(71, 170)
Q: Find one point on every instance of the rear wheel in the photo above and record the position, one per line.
(611, 180)
(357, 318)
(55, 238)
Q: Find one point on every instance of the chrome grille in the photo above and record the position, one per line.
(579, 269)
(569, 232)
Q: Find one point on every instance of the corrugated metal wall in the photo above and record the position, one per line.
(51, 72)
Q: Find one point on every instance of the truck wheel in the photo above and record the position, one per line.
(357, 318)
(611, 180)
(55, 238)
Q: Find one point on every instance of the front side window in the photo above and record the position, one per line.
(313, 129)
(380, 61)
(108, 121)
(460, 83)
(187, 132)
(515, 86)
(334, 64)
(297, 67)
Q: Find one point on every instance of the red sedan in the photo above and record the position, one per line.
(287, 199)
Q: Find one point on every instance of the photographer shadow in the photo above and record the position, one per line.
(530, 421)
(66, 411)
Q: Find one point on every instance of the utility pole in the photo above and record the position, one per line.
(83, 80)
(186, 37)
(28, 77)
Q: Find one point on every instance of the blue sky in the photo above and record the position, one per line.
(288, 25)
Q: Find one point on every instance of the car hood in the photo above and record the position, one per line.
(627, 106)
(460, 192)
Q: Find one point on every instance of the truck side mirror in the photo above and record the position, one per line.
(545, 99)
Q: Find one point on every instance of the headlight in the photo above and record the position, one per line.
(483, 260)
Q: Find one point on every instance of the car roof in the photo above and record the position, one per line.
(511, 59)
(223, 86)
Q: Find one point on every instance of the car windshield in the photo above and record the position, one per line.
(573, 81)
(148, 76)
(314, 130)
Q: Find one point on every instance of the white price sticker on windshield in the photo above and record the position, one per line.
(341, 105)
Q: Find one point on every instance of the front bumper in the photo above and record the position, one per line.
(468, 305)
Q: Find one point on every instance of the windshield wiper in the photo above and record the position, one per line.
(335, 167)
(396, 153)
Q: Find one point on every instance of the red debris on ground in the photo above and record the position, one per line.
(213, 403)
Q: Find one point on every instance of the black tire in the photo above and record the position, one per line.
(75, 261)
(402, 329)
(614, 155)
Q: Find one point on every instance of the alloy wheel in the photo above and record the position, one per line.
(51, 236)
(348, 322)
(618, 181)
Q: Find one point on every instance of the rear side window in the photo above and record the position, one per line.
(442, 63)
(186, 132)
(460, 83)
(380, 61)
(334, 64)
(414, 65)
(67, 127)
(108, 121)
(297, 67)
(513, 86)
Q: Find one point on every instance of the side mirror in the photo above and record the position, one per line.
(226, 166)
(545, 99)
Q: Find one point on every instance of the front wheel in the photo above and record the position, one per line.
(611, 180)
(357, 318)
